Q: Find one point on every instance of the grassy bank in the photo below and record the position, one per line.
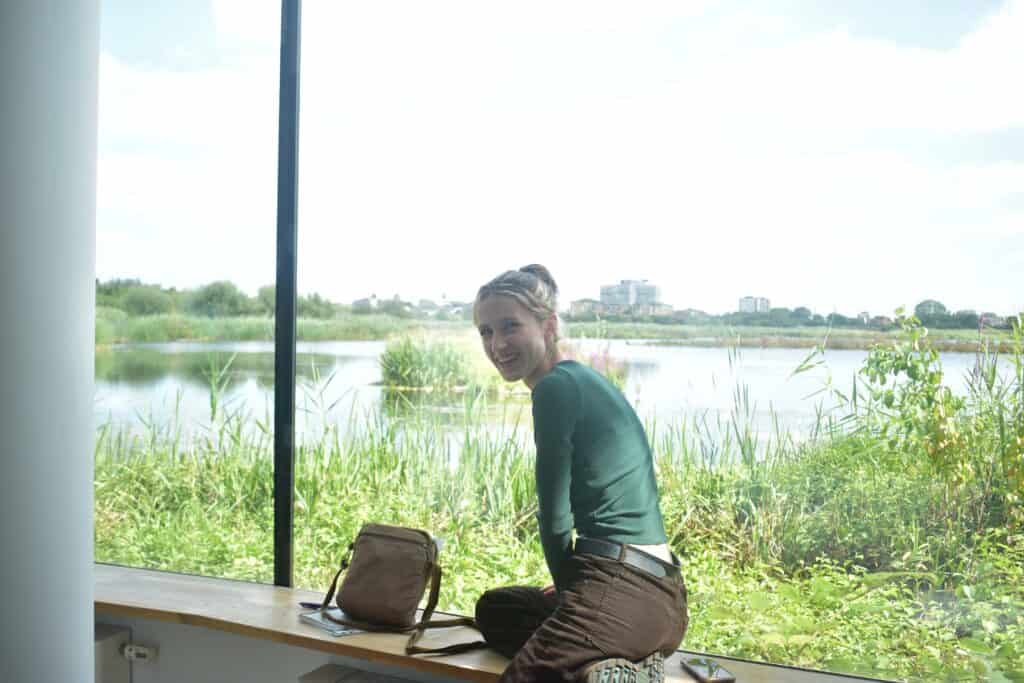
(844, 579)
(114, 326)
(889, 544)
(784, 337)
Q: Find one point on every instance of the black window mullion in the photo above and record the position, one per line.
(285, 294)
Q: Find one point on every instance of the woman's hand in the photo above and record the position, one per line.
(550, 590)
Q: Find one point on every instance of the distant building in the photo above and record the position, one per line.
(582, 307)
(754, 304)
(651, 309)
(864, 317)
(630, 293)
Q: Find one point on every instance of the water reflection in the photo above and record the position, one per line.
(144, 366)
(338, 385)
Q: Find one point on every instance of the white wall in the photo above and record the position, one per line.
(49, 51)
(192, 654)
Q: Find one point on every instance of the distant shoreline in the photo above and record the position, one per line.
(118, 328)
(833, 342)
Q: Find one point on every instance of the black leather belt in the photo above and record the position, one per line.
(627, 555)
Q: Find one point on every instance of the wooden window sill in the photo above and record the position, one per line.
(271, 613)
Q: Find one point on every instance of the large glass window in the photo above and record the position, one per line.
(185, 262)
(737, 201)
(789, 232)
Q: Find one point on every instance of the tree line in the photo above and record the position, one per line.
(224, 299)
(218, 299)
(932, 314)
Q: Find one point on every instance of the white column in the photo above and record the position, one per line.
(49, 51)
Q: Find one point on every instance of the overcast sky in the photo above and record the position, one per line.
(843, 156)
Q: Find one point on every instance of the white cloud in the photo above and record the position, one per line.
(444, 142)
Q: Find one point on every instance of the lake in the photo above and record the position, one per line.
(338, 383)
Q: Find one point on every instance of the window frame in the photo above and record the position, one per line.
(285, 293)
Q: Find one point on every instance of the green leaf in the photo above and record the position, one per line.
(759, 602)
(720, 613)
(975, 645)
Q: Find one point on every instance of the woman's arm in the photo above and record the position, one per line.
(556, 409)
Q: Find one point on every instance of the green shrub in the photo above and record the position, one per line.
(424, 363)
(219, 299)
(145, 301)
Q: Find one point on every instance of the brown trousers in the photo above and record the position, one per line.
(608, 609)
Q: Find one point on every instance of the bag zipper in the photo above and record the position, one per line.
(424, 544)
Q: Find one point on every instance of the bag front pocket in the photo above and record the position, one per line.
(385, 580)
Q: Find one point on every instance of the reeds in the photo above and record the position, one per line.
(842, 549)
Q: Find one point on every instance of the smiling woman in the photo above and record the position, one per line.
(618, 602)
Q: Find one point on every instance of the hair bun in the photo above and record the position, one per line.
(542, 274)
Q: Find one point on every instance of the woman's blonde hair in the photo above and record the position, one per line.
(532, 286)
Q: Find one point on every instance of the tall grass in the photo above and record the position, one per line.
(114, 326)
(424, 363)
(863, 548)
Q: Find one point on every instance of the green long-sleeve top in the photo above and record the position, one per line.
(594, 468)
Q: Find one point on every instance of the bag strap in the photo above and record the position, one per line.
(334, 584)
(435, 589)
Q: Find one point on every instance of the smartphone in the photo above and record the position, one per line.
(707, 670)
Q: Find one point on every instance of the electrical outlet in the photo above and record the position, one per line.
(138, 653)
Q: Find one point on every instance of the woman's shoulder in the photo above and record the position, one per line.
(562, 375)
(563, 384)
(575, 372)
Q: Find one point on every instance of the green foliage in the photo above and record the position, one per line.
(973, 445)
(108, 293)
(108, 319)
(134, 297)
(219, 299)
(204, 505)
(425, 363)
(930, 308)
(397, 308)
(267, 298)
(315, 306)
(889, 543)
(145, 301)
(912, 408)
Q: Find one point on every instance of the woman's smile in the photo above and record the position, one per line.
(514, 340)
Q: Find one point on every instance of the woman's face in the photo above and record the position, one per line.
(514, 340)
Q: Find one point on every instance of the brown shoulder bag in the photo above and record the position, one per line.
(388, 568)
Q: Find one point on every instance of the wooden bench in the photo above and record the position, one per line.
(271, 613)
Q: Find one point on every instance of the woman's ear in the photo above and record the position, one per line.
(551, 329)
